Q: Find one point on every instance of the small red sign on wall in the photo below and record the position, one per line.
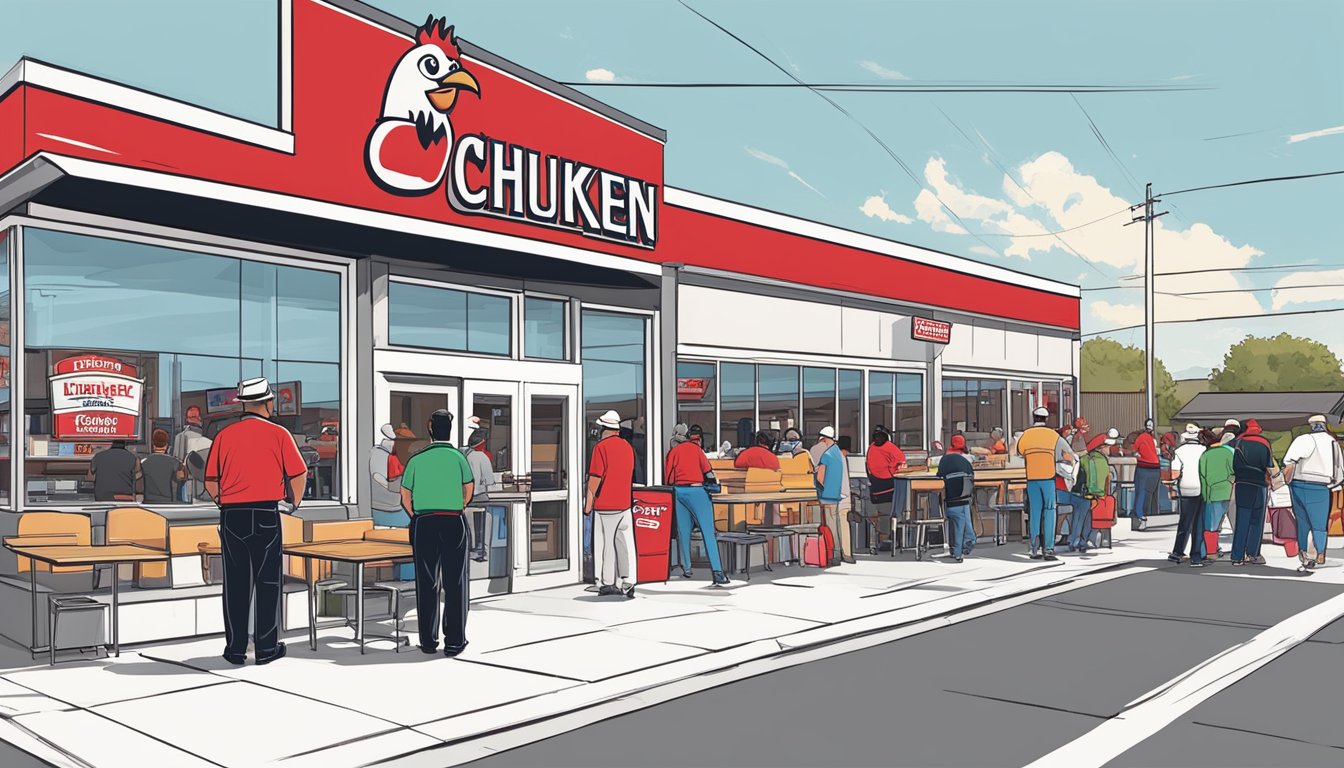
(95, 398)
(924, 329)
(692, 389)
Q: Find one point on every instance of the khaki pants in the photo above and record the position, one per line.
(838, 522)
(614, 548)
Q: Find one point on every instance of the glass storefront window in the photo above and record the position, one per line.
(442, 318)
(849, 423)
(737, 391)
(1022, 401)
(881, 391)
(778, 399)
(910, 410)
(972, 407)
(496, 416)
(1050, 392)
(696, 395)
(544, 328)
(549, 470)
(613, 347)
(818, 400)
(199, 324)
(1070, 412)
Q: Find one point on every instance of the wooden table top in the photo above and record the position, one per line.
(356, 551)
(94, 554)
(998, 475)
(764, 498)
(394, 535)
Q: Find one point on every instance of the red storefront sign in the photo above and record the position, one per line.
(95, 398)
(653, 533)
(924, 329)
(692, 389)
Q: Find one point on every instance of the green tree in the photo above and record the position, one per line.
(1283, 363)
(1109, 366)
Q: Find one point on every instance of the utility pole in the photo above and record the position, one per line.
(1149, 283)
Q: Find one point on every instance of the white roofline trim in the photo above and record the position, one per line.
(126, 98)
(695, 201)
(213, 190)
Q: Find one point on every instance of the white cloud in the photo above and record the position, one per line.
(984, 251)
(881, 71)
(931, 212)
(1117, 315)
(766, 157)
(600, 75)
(1054, 196)
(1185, 77)
(876, 207)
(1296, 137)
(1307, 288)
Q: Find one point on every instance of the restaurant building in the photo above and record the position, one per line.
(432, 226)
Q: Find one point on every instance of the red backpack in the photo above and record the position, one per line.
(827, 543)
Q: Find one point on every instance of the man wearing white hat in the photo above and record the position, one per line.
(1312, 467)
(1190, 494)
(1042, 448)
(610, 500)
(831, 479)
(253, 466)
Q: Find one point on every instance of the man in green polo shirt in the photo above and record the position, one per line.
(436, 487)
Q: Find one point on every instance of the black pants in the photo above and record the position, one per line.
(439, 544)
(249, 538)
(1191, 526)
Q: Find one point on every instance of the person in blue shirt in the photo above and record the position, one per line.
(958, 484)
(830, 481)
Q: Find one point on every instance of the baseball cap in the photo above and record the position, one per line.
(1041, 413)
(958, 444)
(828, 432)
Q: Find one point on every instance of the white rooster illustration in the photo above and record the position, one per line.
(407, 150)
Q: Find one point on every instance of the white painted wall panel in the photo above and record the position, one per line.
(747, 321)
(1057, 355)
(866, 333)
(1022, 350)
(958, 350)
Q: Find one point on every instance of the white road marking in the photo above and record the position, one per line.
(1145, 716)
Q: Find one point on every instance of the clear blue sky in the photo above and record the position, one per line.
(1011, 166)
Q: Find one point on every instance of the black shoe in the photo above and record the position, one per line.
(1174, 559)
(429, 650)
(1050, 554)
(236, 659)
(720, 578)
(686, 573)
(956, 559)
(279, 654)
(478, 555)
(1035, 555)
(607, 591)
(630, 592)
(452, 650)
(1197, 563)
(849, 561)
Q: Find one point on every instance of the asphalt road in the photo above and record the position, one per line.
(1008, 688)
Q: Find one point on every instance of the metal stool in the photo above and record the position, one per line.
(58, 605)
(747, 540)
(393, 595)
(1001, 516)
(396, 588)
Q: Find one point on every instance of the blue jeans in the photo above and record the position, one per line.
(695, 508)
(1250, 520)
(1041, 513)
(398, 519)
(1311, 505)
(1214, 512)
(1147, 481)
(1080, 520)
(959, 521)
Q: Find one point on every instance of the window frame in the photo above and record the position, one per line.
(515, 331)
(520, 322)
(108, 228)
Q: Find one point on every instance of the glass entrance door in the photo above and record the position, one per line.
(491, 429)
(552, 449)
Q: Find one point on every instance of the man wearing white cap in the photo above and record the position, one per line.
(1312, 467)
(831, 479)
(253, 466)
(610, 500)
(1185, 471)
(1042, 448)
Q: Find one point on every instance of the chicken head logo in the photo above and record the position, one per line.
(409, 147)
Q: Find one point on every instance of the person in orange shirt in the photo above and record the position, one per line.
(759, 456)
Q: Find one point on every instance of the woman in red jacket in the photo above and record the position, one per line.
(1147, 476)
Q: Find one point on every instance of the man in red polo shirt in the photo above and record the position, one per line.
(883, 461)
(759, 456)
(253, 466)
(611, 496)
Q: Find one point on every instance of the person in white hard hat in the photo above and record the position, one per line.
(1042, 448)
(610, 501)
(1189, 491)
(254, 465)
(1312, 467)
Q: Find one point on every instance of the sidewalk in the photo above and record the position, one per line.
(533, 656)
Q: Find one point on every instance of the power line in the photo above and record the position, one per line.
(1222, 290)
(1105, 144)
(1256, 181)
(1280, 268)
(1213, 319)
(1060, 231)
(890, 152)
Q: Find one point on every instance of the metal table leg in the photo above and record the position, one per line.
(312, 603)
(32, 574)
(359, 608)
(116, 622)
